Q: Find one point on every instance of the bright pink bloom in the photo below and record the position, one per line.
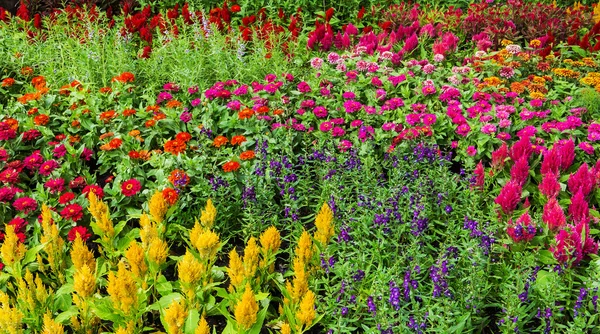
(523, 229)
(131, 187)
(551, 161)
(553, 215)
(582, 180)
(549, 186)
(520, 171)
(480, 176)
(566, 150)
(499, 155)
(25, 204)
(73, 212)
(579, 209)
(509, 197)
(82, 231)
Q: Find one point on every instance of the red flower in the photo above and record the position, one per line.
(131, 187)
(170, 195)
(73, 212)
(80, 231)
(19, 224)
(25, 204)
(553, 215)
(183, 137)
(549, 186)
(520, 171)
(95, 189)
(66, 198)
(509, 197)
(231, 166)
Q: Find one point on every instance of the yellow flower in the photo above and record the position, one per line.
(285, 329)
(122, 289)
(10, 318)
(51, 326)
(270, 240)
(324, 225)
(306, 314)
(12, 249)
(148, 231)
(81, 255)
(207, 218)
(136, 259)
(158, 251)
(130, 329)
(251, 253)
(54, 247)
(99, 211)
(246, 309)
(158, 207)
(235, 270)
(189, 269)
(304, 248)
(535, 43)
(203, 327)
(84, 282)
(175, 316)
(299, 282)
(205, 241)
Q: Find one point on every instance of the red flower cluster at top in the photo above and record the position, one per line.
(131, 187)
(80, 231)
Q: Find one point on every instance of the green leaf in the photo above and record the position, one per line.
(31, 253)
(63, 302)
(164, 302)
(67, 315)
(546, 257)
(192, 322)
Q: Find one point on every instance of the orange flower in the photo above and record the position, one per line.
(124, 77)
(106, 135)
(159, 116)
(8, 82)
(152, 108)
(150, 123)
(170, 196)
(74, 139)
(231, 166)
(220, 141)
(246, 113)
(38, 82)
(247, 155)
(236, 140)
(134, 133)
(129, 112)
(85, 111)
(134, 155)
(183, 136)
(105, 90)
(12, 123)
(517, 87)
(41, 119)
(108, 115)
(262, 110)
(174, 104)
(278, 112)
(115, 143)
(75, 124)
(32, 111)
(27, 71)
(175, 147)
(65, 90)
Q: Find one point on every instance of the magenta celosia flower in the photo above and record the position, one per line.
(499, 156)
(509, 197)
(582, 180)
(55, 185)
(568, 247)
(522, 148)
(521, 230)
(553, 215)
(549, 186)
(551, 162)
(479, 176)
(566, 149)
(25, 204)
(520, 171)
(579, 209)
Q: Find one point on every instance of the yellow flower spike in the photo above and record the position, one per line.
(207, 218)
(40, 290)
(158, 207)
(122, 289)
(175, 316)
(324, 225)
(596, 12)
(189, 269)
(246, 309)
(251, 253)
(304, 250)
(136, 259)
(84, 282)
(12, 249)
(270, 240)
(81, 255)
(51, 326)
(306, 313)
(203, 327)
(11, 319)
(300, 281)
(206, 242)
(158, 251)
(285, 329)
(99, 211)
(54, 243)
(148, 231)
(235, 270)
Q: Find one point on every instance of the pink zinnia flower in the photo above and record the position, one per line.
(325, 126)
(131, 187)
(72, 212)
(471, 150)
(586, 147)
(55, 185)
(463, 129)
(48, 167)
(429, 119)
(25, 204)
(337, 132)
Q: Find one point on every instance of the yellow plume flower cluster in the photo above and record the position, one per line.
(596, 13)
(270, 240)
(235, 270)
(54, 247)
(136, 259)
(81, 255)
(158, 207)
(286, 329)
(304, 250)
(189, 269)
(251, 253)
(246, 309)
(306, 312)
(324, 225)
(203, 327)
(207, 218)
(12, 249)
(175, 316)
(205, 241)
(158, 251)
(99, 210)
(148, 231)
(31, 292)
(51, 326)
(84, 282)
(11, 319)
(122, 289)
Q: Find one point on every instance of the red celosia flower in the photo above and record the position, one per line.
(480, 176)
(170, 195)
(521, 148)
(66, 198)
(553, 215)
(579, 209)
(549, 186)
(566, 151)
(25, 204)
(523, 229)
(231, 166)
(73, 212)
(131, 187)
(509, 197)
(520, 171)
(582, 180)
(568, 247)
(551, 162)
(80, 231)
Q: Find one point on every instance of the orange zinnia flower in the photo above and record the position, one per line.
(174, 104)
(8, 82)
(32, 111)
(106, 135)
(124, 77)
(75, 124)
(150, 123)
(278, 112)
(134, 133)
(220, 141)
(129, 112)
(231, 166)
(262, 110)
(236, 140)
(183, 136)
(170, 196)
(175, 147)
(152, 108)
(246, 113)
(108, 115)
(41, 120)
(105, 90)
(38, 82)
(247, 155)
(12, 123)
(115, 143)
(159, 116)
(27, 71)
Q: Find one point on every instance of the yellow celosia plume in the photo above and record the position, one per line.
(246, 309)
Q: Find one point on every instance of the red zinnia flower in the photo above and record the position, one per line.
(66, 198)
(19, 224)
(237, 140)
(73, 212)
(131, 187)
(78, 230)
(95, 189)
(170, 195)
(25, 204)
(231, 166)
(247, 155)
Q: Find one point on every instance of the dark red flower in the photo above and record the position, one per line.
(131, 187)
(78, 230)
(73, 212)
(66, 198)
(95, 189)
